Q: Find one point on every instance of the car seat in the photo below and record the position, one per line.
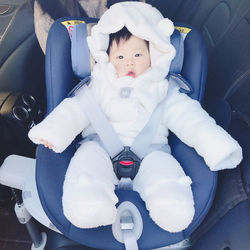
(51, 167)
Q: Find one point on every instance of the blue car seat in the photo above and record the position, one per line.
(51, 167)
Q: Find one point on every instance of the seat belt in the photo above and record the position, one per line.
(98, 120)
(144, 139)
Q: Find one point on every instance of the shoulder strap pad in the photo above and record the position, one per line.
(80, 54)
(178, 43)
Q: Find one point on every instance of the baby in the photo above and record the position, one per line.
(134, 56)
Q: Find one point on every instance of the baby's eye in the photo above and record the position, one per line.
(138, 54)
(119, 57)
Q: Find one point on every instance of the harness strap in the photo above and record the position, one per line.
(144, 139)
(125, 183)
(98, 120)
(129, 238)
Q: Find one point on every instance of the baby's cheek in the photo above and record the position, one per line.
(120, 70)
(122, 110)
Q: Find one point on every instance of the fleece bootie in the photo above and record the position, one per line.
(89, 204)
(170, 205)
(166, 190)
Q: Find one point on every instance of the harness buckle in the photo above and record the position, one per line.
(126, 164)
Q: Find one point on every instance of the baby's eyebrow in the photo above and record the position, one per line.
(119, 51)
(140, 50)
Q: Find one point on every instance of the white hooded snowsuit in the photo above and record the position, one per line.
(88, 193)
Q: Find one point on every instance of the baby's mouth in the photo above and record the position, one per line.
(131, 73)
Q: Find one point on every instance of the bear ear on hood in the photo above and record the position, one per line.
(166, 26)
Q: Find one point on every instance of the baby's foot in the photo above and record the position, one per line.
(170, 205)
(89, 206)
(171, 215)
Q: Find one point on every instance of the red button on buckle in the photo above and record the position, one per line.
(126, 163)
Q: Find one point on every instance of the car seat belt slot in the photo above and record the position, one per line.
(179, 81)
(128, 225)
(127, 222)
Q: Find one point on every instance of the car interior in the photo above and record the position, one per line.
(224, 25)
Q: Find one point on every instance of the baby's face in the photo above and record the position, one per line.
(131, 57)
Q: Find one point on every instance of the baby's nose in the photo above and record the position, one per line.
(130, 62)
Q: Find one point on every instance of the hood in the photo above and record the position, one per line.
(143, 21)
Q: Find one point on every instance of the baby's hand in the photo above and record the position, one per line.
(46, 144)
